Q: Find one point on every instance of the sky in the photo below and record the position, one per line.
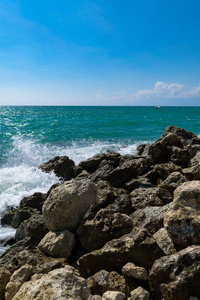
(106, 52)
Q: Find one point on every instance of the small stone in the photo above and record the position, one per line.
(139, 294)
(112, 295)
(137, 272)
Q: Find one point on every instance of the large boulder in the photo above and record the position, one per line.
(138, 247)
(62, 166)
(4, 278)
(64, 283)
(176, 276)
(105, 226)
(21, 214)
(143, 197)
(182, 220)
(35, 201)
(67, 204)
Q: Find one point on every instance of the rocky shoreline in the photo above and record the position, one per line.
(116, 227)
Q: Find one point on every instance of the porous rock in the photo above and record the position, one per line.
(57, 244)
(142, 197)
(64, 283)
(21, 214)
(62, 166)
(4, 278)
(104, 281)
(34, 201)
(182, 220)
(112, 295)
(164, 241)
(67, 204)
(105, 226)
(150, 217)
(130, 269)
(138, 247)
(139, 294)
(17, 279)
(176, 276)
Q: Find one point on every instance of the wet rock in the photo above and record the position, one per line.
(63, 283)
(164, 241)
(134, 271)
(62, 166)
(7, 217)
(105, 226)
(67, 204)
(176, 276)
(139, 294)
(104, 281)
(150, 217)
(21, 214)
(17, 279)
(138, 247)
(35, 201)
(142, 198)
(182, 219)
(112, 295)
(57, 244)
(4, 278)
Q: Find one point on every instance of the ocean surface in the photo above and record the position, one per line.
(32, 135)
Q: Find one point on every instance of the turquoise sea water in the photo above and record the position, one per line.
(31, 135)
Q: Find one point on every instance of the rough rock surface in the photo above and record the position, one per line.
(67, 204)
(112, 295)
(142, 197)
(103, 281)
(57, 244)
(138, 247)
(176, 276)
(4, 278)
(182, 220)
(139, 294)
(62, 166)
(61, 284)
(16, 281)
(105, 226)
(132, 270)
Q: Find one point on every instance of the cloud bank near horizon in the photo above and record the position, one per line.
(170, 91)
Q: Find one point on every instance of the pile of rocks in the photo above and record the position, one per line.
(116, 227)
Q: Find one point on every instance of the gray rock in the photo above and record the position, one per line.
(67, 204)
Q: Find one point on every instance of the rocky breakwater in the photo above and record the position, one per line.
(115, 227)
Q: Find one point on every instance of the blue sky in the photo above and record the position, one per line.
(99, 52)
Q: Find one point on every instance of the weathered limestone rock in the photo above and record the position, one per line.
(164, 241)
(92, 163)
(138, 247)
(142, 198)
(21, 214)
(130, 269)
(21, 232)
(97, 297)
(105, 226)
(35, 201)
(7, 217)
(36, 226)
(62, 166)
(192, 173)
(180, 132)
(139, 294)
(165, 169)
(67, 204)
(4, 278)
(103, 281)
(176, 276)
(173, 181)
(57, 244)
(112, 295)
(150, 217)
(61, 284)
(17, 279)
(23, 253)
(182, 220)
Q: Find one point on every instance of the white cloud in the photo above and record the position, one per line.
(164, 90)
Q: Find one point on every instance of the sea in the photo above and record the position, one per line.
(31, 135)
